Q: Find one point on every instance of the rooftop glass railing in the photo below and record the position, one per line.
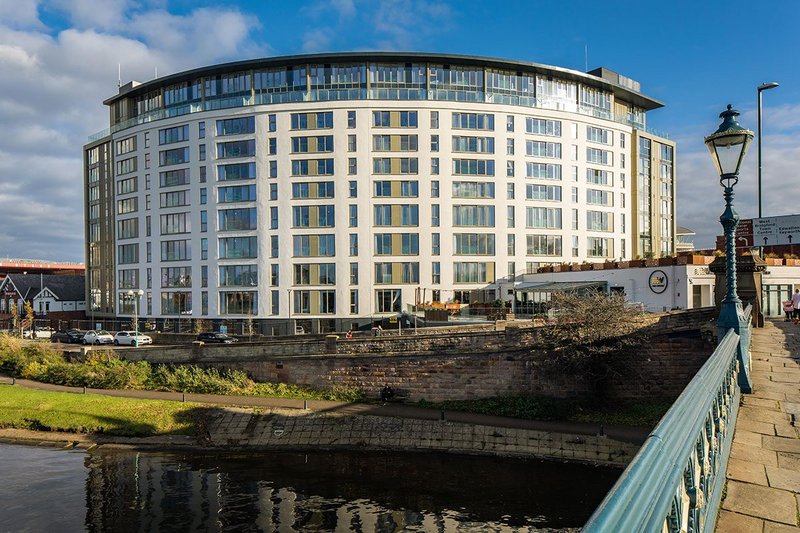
(325, 95)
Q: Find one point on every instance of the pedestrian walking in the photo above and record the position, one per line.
(788, 308)
(796, 304)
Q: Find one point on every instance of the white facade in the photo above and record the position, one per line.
(560, 190)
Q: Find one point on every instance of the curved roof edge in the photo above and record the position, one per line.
(634, 97)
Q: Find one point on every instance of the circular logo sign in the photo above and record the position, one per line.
(658, 281)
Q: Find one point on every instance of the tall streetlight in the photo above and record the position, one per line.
(761, 88)
(728, 146)
(135, 295)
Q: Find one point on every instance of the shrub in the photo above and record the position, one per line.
(198, 380)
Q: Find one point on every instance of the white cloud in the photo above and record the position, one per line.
(52, 84)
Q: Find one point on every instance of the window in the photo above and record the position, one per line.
(473, 215)
(434, 188)
(176, 303)
(351, 119)
(236, 126)
(510, 123)
(317, 144)
(273, 146)
(233, 149)
(509, 146)
(126, 146)
(128, 279)
(203, 196)
(351, 143)
(174, 198)
(238, 303)
(473, 244)
(274, 275)
(473, 121)
(599, 135)
(434, 143)
(272, 123)
(436, 273)
(173, 135)
(202, 148)
(434, 119)
(511, 245)
(543, 149)
(599, 221)
(353, 244)
(543, 245)
(203, 221)
(204, 276)
(510, 169)
(574, 195)
(543, 217)
(510, 219)
(312, 167)
(128, 205)
(237, 219)
(388, 300)
(473, 189)
(599, 197)
(201, 130)
(574, 219)
(394, 119)
(273, 218)
(545, 171)
(238, 276)
(353, 216)
(479, 145)
(275, 302)
(395, 165)
(237, 171)
(596, 155)
(435, 166)
(509, 191)
(309, 121)
(353, 301)
(599, 247)
(273, 169)
(176, 277)
(176, 250)
(542, 126)
(470, 273)
(204, 249)
(435, 244)
(474, 167)
(599, 177)
(127, 186)
(176, 156)
(435, 215)
(353, 273)
(352, 166)
(551, 193)
(274, 246)
(176, 223)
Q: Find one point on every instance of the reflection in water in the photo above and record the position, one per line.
(321, 491)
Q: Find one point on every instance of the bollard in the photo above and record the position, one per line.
(183, 396)
(84, 389)
(13, 380)
(305, 405)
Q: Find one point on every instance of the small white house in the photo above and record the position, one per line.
(48, 293)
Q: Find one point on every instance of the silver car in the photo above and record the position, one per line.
(98, 337)
(130, 338)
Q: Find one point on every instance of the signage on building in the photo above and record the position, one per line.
(770, 231)
(658, 281)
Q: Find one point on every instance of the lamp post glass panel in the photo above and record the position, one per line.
(135, 295)
(728, 146)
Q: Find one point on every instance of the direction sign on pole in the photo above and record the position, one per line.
(776, 230)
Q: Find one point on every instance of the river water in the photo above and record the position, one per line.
(48, 489)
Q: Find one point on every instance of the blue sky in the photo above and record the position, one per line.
(58, 60)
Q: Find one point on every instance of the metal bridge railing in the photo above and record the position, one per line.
(674, 484)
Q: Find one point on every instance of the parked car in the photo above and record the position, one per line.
(216, 338)
(130, 338)
(72, 336)
(38, 333)
(98, 337)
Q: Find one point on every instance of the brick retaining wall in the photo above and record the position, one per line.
(455, 364)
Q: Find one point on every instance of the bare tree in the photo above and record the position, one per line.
(592, 335)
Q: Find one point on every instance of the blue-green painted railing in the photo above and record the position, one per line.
(674, 484)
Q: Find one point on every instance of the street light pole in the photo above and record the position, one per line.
(728, 146)
(135, 295)
(761, 88)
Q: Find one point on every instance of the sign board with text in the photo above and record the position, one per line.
(770, 231)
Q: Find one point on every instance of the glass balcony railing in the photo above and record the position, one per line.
(323, 95)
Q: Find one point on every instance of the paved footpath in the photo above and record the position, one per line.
(763, 491)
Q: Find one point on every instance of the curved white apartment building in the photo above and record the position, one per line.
(329, 190)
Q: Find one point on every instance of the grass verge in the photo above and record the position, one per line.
(61, 411)
(540, 408)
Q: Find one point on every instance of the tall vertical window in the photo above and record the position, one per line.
(351, 119)
(353, 216)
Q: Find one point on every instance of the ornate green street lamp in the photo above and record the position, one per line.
(728, 146)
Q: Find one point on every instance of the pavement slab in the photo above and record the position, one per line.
(763, 491)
